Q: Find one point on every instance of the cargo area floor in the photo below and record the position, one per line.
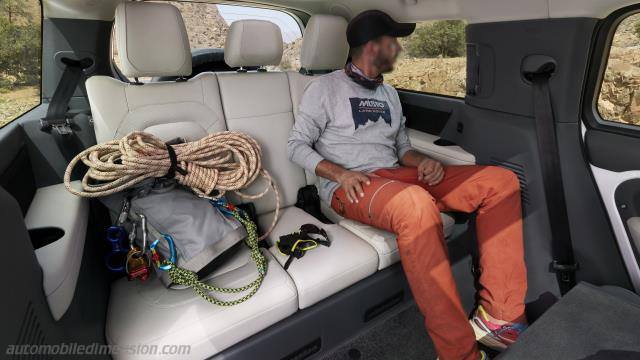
(401, 336)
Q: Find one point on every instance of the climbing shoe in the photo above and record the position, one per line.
(494, 336)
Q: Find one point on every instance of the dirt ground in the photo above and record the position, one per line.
(15, 102)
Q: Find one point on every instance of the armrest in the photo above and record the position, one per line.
(448, 155)
(54, 207)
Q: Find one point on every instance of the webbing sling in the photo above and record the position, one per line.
(57, 121)
(538, 69)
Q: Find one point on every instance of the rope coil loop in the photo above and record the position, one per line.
(217, 163)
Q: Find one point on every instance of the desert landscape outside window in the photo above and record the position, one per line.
(20, 57)
(433, 60)
(207, 26)
(619, 98)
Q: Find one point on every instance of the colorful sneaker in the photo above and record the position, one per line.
(493, 336)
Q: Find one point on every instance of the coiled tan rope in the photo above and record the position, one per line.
(222, 161)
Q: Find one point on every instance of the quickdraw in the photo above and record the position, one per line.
(188, 278)
(296, 244)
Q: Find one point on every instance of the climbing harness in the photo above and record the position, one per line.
(217, 163)
(296, 244)
(189, 278)
(116, 234)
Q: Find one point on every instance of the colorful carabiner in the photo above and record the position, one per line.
(155, 256)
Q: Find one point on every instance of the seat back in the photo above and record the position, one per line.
(152, 41)
(324, 49)
(259, 104)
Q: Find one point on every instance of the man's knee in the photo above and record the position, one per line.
(414, 206)
(502, 179)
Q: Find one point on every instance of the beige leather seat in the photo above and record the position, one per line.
(259, 103)
(325, 47)
(152, 41)
(149, 44)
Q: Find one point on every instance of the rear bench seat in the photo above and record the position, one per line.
(152, 41)
(258, 103)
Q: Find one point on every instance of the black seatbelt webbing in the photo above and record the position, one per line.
(564, 263)
(57, 121)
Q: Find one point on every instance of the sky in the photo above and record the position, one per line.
(288, 25)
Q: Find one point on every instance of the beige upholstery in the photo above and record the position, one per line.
(149, 313)
(189, 109)
(259, 104)
(324, 45)
(253, 43)
(323, 271)
(60, 260)
(151, 40)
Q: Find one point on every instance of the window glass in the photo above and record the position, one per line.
(20, 55)
(433, 60)
(619, 98)
(207, 26)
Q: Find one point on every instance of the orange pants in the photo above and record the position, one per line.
(398, 202)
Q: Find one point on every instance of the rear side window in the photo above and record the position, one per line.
(619, 98)
(20, 57)
(433, 60)
(207, 26)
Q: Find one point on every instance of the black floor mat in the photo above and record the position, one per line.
(589, 323)
(400, 337)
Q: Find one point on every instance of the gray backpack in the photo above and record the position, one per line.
(200, 231)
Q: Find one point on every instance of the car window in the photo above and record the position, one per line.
(207, 26)
(433, 59)
(619, 98)
(20, 57)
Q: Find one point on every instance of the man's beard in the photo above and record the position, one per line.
(385, 65)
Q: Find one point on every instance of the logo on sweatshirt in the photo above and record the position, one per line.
(369, 110)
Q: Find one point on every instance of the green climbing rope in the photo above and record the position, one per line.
(188, 278)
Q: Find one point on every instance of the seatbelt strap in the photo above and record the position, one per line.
(58, 120)
(563, 263)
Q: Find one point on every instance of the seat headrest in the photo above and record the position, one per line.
(324, 45)
(152, 40)
(253, 43)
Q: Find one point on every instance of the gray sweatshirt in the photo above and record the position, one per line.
(349, 125)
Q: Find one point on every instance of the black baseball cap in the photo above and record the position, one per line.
(372, 24)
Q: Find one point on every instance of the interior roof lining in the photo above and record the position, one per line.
(473, 11)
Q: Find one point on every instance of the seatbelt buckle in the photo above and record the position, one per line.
(565, 270)
(61, 127)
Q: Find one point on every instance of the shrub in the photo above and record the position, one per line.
(636, 29)
(20, 39)
(444, 38)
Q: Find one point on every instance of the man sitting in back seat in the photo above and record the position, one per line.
(350, 132)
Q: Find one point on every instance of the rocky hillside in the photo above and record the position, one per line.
(205, 26)
(208, 29)
(436, 75)
(619, 98)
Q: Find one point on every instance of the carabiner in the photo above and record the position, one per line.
(172, 252)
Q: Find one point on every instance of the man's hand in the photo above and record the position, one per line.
(430, 171)
(352, 184)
